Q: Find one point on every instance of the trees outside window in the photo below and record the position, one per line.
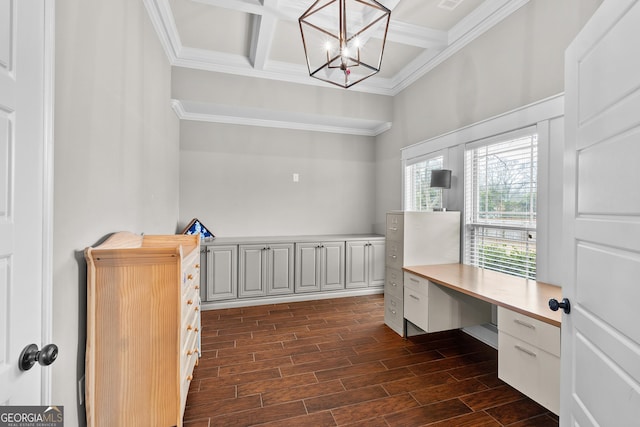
(501, 204)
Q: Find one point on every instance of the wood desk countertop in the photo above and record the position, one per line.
(528, 297)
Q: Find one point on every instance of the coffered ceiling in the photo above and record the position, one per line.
(261, 38)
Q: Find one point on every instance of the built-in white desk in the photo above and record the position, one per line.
(446, 296)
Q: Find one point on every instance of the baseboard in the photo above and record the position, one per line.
(279, 299)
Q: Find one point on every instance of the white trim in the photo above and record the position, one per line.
(217, 113)
(522, 117)
(311, 296)
(47, 190)
(440, 45)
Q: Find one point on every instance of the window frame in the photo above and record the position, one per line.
(414, 161)
(481, 230)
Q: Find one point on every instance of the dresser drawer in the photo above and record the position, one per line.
(393, 283)
(395, 227)
(530, 370)
(532, 331)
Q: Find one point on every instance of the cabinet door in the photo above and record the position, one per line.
(376, 259)
(307, 267)
(221, 266)
(357, 265)
(252, 271)
(332, 265)
(280, 268)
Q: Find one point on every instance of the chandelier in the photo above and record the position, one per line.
(344, 39)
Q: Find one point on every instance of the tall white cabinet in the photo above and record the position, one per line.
(415, 238)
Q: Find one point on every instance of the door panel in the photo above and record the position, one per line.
(22, 197)
(600, 356)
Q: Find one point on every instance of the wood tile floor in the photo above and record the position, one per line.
(334, 362)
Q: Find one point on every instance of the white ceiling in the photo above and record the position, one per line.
(261, 38)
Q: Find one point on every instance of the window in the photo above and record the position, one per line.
(500, 204)
(418, 195)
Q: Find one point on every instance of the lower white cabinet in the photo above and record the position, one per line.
(319, 266)
(365, 263)
(435, 308)
(529, 357)
(265, 269)
(247, 268)
(219, 278)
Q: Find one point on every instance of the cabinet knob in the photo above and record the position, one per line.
(196, 287)
(189, 276)
(197, 266)
(189, 352)
(554, 305)
(189, 302)
(196, 329)
(189, 327)
(196, 308)
(189, 378)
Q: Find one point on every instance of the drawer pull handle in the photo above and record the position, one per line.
(414, 297)
(414, 280)
(394, 284)
(393, 256)
(525, 324)
(524, 350)
(393, 229)
(392, 311)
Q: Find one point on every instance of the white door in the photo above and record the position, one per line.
(600, 379)
(23, 206)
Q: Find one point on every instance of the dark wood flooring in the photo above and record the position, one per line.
(334, 362)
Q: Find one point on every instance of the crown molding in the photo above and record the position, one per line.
(439, 45)
(250, 116)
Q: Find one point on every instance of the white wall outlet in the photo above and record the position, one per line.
(296, 177)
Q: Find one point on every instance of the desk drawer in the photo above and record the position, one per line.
(530, 370)
(416, 301)
(532, 331)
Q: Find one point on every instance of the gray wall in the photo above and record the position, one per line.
(238, 180)
(116, 150)
(519, 61)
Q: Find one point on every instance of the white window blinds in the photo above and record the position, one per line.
(418, 194)
(500, 205)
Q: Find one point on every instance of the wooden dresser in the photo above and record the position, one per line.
(143, 328)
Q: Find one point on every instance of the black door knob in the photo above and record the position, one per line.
(554, 305)
(30, 355)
